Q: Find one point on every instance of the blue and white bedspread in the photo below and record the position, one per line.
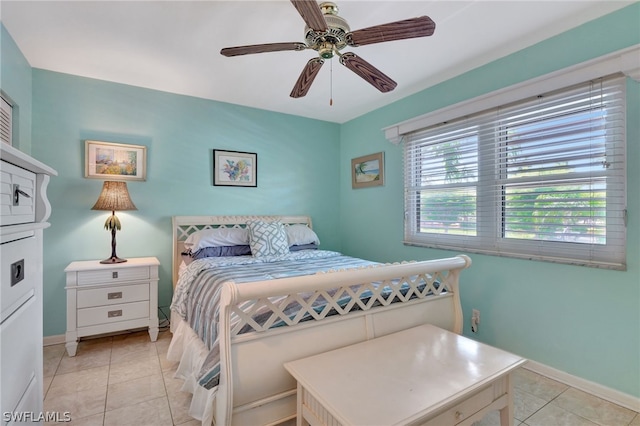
(197, 293)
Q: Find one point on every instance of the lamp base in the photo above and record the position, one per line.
(112, 260)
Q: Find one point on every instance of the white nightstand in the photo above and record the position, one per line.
(106, 298)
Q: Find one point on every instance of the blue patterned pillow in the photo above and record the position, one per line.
(267, 238)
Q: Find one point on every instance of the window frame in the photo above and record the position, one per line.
(489, 237)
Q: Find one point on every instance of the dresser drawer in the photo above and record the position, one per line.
(19, 269)
(112, 295)
(465, 409)
(108, 276)
(20, 341)
(17, 195)
(112, 313)
(31, 402)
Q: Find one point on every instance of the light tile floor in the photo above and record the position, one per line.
(127, 380)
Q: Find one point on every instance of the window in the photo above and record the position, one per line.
(542, 178)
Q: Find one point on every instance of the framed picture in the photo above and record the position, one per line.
(234, 168)
(115, 161)
(367, 171)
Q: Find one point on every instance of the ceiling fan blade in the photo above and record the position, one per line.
(311, 13)
(261, 48)
(368, 72)
(409, 28)
(306, 77)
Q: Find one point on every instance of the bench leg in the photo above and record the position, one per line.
(506, 413)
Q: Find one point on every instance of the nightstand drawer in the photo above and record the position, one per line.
(112, 313)
(113, 275)
(112, 295)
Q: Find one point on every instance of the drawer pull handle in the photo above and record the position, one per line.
(458, 415)
(114, 274)
(111, 296)
(113, 314)
(17, 192)
(17, 272)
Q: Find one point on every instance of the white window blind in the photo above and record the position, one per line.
(6, 117)
(542, 179)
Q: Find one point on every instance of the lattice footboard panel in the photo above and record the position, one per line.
(266, 313)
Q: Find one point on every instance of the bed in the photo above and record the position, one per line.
(236, 319)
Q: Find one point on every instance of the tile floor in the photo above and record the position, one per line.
(127, 380)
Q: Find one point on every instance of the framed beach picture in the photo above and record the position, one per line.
(115, 161)
(367, 171)
(234, 168)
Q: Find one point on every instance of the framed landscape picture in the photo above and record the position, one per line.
(115, 161)
(234, 168)
(367, 171)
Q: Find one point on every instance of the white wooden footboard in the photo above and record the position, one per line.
(254, 387)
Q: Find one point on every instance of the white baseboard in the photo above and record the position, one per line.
(620, 398)
(61, 338)
(53, 340)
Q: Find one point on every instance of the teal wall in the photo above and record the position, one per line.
(15, 81)
(297, 171)
(580, 320)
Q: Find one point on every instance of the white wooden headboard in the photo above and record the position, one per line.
(183, 226)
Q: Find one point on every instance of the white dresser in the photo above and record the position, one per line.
(24, 209)
(104, 298)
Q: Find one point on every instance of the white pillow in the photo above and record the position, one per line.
(218, 237)
(298, 235)
(267, 238)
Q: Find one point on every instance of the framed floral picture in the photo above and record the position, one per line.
(367, 171)
(235, 168)
(115, 161)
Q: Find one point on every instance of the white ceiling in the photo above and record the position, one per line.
(174, 46)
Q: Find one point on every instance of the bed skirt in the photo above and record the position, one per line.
(187, 349)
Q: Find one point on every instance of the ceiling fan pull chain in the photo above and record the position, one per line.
(331, 83)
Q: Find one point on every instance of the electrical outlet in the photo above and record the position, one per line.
(475, 320)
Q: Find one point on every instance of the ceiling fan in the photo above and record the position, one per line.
(327, 33)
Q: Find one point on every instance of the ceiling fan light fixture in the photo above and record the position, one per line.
(336, 33)
(329, 8)
(325, 50)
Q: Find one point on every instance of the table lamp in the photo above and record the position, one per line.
(114, 196)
